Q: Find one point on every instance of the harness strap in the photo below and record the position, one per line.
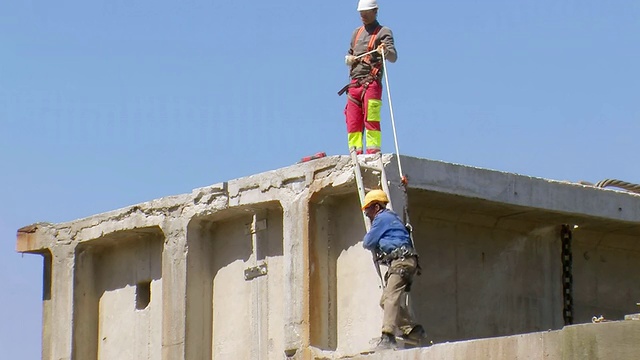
(355, 39)
(365, 85)
(375, 69)
(344, 89)
(401, 253)
(356, 101)
(398, 253)
(372, 41)
(361, 82)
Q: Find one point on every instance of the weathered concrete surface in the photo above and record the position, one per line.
(175, 278)
(606, 341)
(108, 275)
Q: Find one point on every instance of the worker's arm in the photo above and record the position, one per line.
(372, 238)
(350, 58)
(352, 42)
(387, 44)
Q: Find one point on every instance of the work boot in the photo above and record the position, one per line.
(417, 333)
(415, 338)
(387, 342)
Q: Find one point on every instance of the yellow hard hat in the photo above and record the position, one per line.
(375, 196)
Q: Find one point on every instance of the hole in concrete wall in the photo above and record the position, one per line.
(143, 295)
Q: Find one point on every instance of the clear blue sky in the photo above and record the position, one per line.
(105, 104)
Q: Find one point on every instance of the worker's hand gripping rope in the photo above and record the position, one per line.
(351, 59)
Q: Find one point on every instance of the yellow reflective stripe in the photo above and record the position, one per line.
(374, 139)
(373, 109)
(355, 140)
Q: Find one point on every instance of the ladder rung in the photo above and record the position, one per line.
(370, 167)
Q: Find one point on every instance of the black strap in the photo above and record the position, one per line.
(344, 88)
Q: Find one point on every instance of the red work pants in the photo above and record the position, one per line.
(364, 116)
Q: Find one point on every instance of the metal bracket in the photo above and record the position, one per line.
(566, 236)
(255, 271)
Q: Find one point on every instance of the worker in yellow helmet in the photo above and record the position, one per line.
(389, 238)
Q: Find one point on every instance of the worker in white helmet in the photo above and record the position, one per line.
(390, 240)
(364, 91)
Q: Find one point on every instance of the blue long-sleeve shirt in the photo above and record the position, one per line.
(387, 233)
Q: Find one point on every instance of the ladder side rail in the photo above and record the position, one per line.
(367, 222)
(384, 182)
(360, 185)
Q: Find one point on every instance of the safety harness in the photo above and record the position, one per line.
(400, 253)
(375, 68)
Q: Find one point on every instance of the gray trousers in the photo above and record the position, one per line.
(396, 315)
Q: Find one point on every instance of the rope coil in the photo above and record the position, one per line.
(635, 188)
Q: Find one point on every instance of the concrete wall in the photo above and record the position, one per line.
(227, 314)
(483, 274)
(345, 288)
(606, 268)
(493, 270)
(118, 307)
(272, 266)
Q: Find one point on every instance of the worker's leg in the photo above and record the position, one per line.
(354, 118)
(372, 104)
(390, 303)
(399, 274)
(395, 314)
(406, 323)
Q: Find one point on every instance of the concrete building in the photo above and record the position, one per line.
(271, 266)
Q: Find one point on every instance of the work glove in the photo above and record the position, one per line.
(350, 60)
(381, 49)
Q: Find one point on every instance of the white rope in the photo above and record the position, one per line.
(365, 54)
(393, 122)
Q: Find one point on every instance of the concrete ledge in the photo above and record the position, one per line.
(611, 340)
(521, 190)
(29, 238)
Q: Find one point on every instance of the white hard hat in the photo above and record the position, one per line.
(367, 5)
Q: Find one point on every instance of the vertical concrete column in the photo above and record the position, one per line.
(322, 278)
(259, 289)
(47, 314)
(199, 279)
(59, 315)
(174, 289)
(296, 264)
(86, 305)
